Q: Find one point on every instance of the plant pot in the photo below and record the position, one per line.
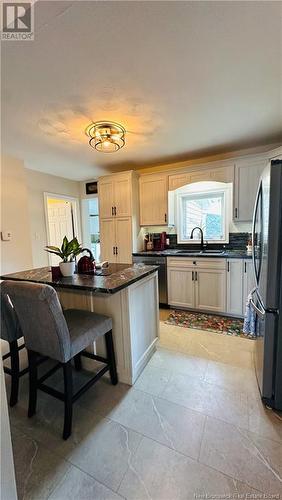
(67, 268)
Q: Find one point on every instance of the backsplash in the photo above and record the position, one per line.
(237, 241)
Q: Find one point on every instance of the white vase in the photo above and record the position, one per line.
(67, 268)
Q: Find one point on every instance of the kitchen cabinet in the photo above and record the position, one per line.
(118, 216)
(115, 195)
(116, 240)
(247, 175)
(240, 281)
(198, 284)
(249, 280)
(153, 199)
(235, 284)
(210, 289)
(180, 287)
(219, 174)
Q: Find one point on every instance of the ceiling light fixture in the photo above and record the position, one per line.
(106, 137)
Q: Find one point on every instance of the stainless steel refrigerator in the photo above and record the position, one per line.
(267, 296)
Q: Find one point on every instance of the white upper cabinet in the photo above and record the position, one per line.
(106, 197)
(122, 196)
(153, 199)
(219, 174)
(115, 193)
(247, 175)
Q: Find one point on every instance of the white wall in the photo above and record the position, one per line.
(16, 255)
(37, 183)
(22, 213)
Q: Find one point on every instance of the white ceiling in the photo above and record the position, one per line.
(184, 78)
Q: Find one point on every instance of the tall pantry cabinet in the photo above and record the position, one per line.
(119, 216)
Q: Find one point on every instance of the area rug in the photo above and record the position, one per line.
(210, 322)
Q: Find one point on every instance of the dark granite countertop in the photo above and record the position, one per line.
(176, 252)
(116, 277)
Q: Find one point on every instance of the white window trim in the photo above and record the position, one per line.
(210, 187)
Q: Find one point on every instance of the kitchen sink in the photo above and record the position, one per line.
(213, 252)
(200, 252)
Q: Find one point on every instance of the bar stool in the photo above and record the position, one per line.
(62, 336)
(11, 333)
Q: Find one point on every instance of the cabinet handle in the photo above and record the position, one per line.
(245, 267)
(228, 266)
(114, 250)
(192, 275)
(115, 210)
(236, 213)
(196, 276)
(112, 210)
(165, 217)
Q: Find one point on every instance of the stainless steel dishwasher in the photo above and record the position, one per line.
(156, 261)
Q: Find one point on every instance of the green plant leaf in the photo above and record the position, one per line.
(64, 244)
(54, 249)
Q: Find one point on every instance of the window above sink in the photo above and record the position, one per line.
(206, 205)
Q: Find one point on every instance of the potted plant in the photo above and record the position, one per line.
(68, 251)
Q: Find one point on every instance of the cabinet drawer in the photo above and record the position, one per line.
(196, 262)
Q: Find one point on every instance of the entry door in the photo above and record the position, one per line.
(60, 218)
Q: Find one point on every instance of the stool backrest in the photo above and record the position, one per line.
(10, 327)
(41, 318)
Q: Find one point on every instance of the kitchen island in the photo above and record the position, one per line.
(129, 294)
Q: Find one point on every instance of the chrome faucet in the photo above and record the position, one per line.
(202, 235)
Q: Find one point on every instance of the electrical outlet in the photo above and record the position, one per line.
(6, 235)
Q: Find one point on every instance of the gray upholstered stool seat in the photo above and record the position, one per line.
(61, 336)
(85, 327)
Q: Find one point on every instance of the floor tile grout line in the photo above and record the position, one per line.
(155, 441)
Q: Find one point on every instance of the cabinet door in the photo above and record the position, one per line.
(180, 287)
(122, 196)
(108, 240)
(246, 183)
(210, 289)
(249, 280)
(106, 198)
(234, 284)
(153, 200)
(123, 240)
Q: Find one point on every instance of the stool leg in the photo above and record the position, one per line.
(15, 370)
(68, 399)
(32, 361)
(77, 362)
(111, 357)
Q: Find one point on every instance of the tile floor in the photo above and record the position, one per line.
(192, 427)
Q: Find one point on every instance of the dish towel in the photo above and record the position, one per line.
(250, 320)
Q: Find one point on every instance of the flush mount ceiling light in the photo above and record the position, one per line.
(106, 137)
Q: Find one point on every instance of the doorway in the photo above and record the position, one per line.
(62, 219)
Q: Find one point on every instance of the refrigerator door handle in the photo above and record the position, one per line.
(260, 313)
(253, 231)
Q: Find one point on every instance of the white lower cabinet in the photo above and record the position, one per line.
(116, 240)
(197, 284)
(210, 289)
(249, 280)
(240, 282)
(212, 285)
(235, 287)
(180, 287)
